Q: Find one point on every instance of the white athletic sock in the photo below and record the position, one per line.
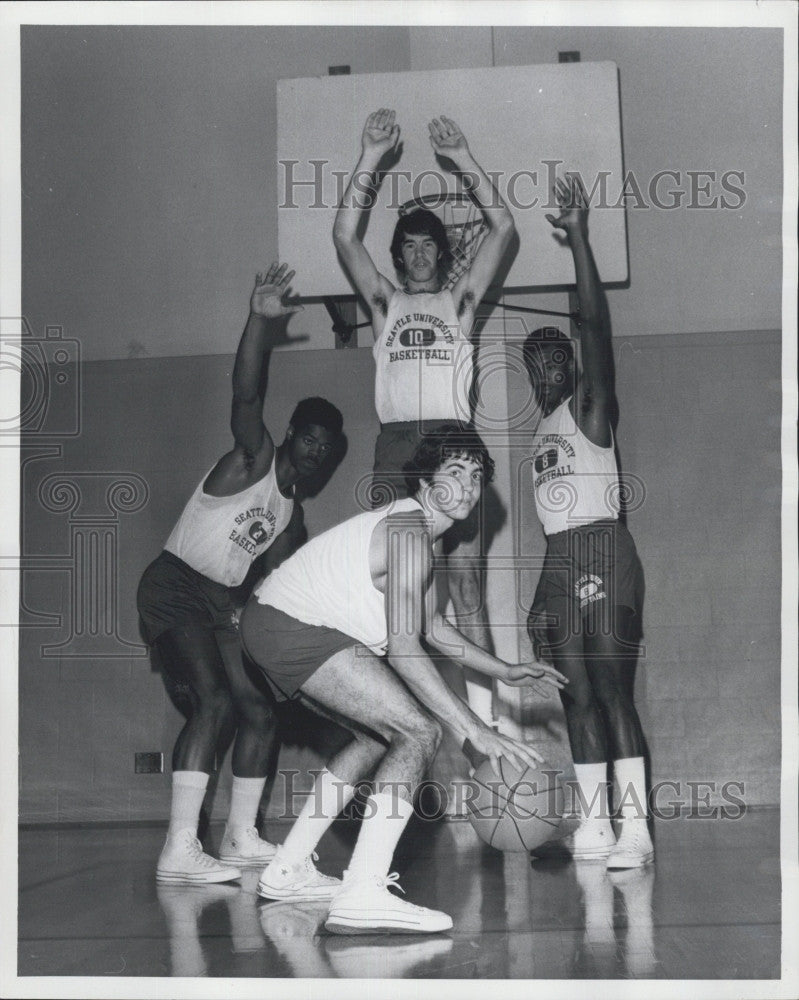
(592, 782)
(630, 776)
(188, 792)
(245, 796)
(381, 829)
(329, 796)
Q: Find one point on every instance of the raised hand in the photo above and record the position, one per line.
(539, 677)
(447, 139)
(380, 133)
(572, 202)
(272, 289)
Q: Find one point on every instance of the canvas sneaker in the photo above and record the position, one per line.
(365, 906)
(634, 848)
(593, 840)
(245, 847)
(183, 862)
(283, 880)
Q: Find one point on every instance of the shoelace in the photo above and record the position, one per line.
(313, 856)
(308, 864)
(198, 854)
(253, 835)
(391, 882)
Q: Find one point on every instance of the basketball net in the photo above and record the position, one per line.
(464, 224)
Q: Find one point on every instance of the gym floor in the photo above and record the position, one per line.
(709, 908)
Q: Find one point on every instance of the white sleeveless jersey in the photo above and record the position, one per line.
(221, 536)
(575, 481)
(424, 363)
(328, 582)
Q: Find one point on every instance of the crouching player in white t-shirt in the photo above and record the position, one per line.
(319, 626)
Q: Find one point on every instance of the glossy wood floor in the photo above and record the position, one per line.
(708, 908)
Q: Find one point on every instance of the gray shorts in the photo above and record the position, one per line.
(287, 650)
(588, 567)
(171, 593)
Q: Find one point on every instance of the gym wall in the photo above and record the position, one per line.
(697, 347)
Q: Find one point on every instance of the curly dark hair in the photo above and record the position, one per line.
(316, 410)
(445, 442)
(421, 222)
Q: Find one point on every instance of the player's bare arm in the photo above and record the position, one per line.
(448, 141)
(408, 573)
(591, 405)
(380, 137)
(251, 456)
(539, 677)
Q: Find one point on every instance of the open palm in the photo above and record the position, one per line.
(380, 133)
(272, 288)
(572, 202)
(446, 137)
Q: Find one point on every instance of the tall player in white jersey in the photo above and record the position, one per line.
(242, 507)
(423, 338)
(587, 607)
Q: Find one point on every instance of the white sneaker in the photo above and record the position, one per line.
(365, 906)
(634, 848)
(283, 880)
(183, 862)
(593, 840)
(245, 847)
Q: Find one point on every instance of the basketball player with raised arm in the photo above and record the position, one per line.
(423, 338)
(587, 607)
(243, 506)
(318, 627)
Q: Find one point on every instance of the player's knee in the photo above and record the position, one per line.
(257, 713)
(435, 733)
(423, 731)
(578, 698)
(428, 734)
(614, 700)
(215, 707)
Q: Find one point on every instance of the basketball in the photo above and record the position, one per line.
(515, 810)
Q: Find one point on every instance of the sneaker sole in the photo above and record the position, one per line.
(637, 861)
(601, 854)
(297, 895)
(373, 925)
(204, 878)
(239, 861)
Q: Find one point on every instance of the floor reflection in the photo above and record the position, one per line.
(708, 908)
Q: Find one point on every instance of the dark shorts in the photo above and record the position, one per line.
(287, 651)
(594, 568)
(172, 593)
(394, 447)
